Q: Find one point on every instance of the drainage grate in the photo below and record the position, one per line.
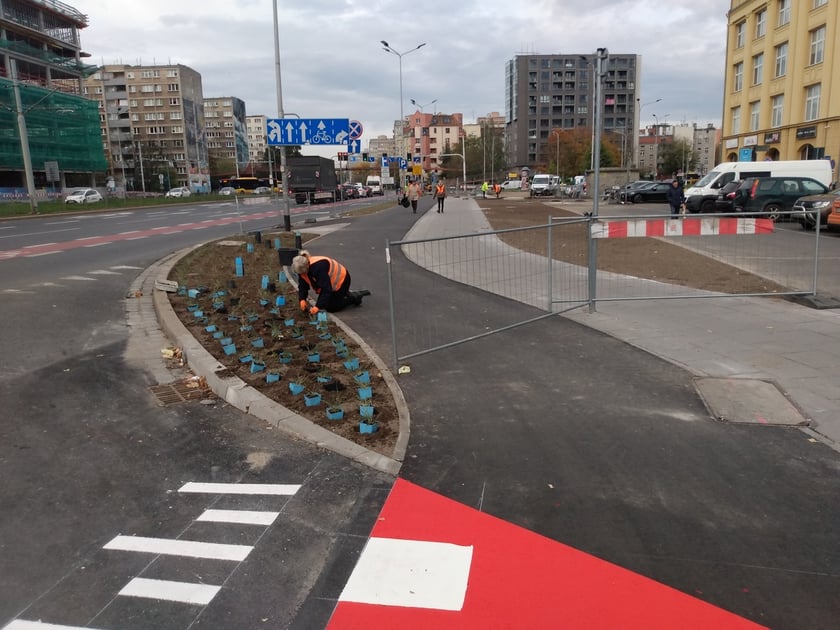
(175, 393)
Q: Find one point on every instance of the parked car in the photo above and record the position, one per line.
(625, 193)
(654, 191)
(227, 190)
(832, 222)
(178, 191)
(85, 195)
(513, 184)
(363, 191)
(805, 209)
(262, 190)
(774, 195)
(726, 195)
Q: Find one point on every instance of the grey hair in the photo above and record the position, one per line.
(300, 263)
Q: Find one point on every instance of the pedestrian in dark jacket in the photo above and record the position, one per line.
(676, 198)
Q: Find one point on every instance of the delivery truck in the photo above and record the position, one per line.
(312, 179)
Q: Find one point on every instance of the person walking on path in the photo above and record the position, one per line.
(414, 193)
(484, 188)
(440, 195)
(676, 198)
(329, 279)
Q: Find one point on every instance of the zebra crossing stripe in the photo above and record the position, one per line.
(189, 548)
(167, 590)
(242, 517)
(20, 624)
(241, 488)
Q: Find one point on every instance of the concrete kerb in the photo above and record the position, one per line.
(240, 395)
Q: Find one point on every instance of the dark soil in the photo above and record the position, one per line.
(650, 258)
(245, 312)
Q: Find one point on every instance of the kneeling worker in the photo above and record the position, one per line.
(329, 279)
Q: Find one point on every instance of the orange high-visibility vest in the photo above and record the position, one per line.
(337, 272)
(440, 189)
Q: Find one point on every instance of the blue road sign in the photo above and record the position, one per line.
(403, 164)
(385, 162)
(417, 159)
(372, 159)
(300, 131)
(354, 146)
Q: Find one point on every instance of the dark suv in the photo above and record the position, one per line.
(773, 195)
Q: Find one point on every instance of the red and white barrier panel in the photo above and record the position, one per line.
(707, 226)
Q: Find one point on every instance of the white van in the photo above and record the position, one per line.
(701, 197)
(374, 182)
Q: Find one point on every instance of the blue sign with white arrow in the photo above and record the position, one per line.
(300, 131)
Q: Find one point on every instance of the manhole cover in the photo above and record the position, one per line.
(747, 401)
(174, 393)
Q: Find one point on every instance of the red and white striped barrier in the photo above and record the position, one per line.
(706, 226)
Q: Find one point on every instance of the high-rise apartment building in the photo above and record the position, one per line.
(227, 135)
(152, 126)
(257, 143)
(41, 61)
(781, 91)
(548, 92)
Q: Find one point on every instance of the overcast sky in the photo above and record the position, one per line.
(333, 66)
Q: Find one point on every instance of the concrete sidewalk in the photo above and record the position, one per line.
(748, 341)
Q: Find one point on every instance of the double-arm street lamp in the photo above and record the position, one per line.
(387, 48)
(413, 102)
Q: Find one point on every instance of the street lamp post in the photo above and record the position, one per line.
(387, 48)
(287, 216)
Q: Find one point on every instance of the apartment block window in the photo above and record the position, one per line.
(784, 12)
(174, 101)
(761, 23)
(171, 73)
(781, 60)
(777, 108)
(758, 69)
(819, 3)
(738, 77)
(812, 102)
(755, 115)
(740, 34)
(177, 130)
(157, 131)
(173, 87)
(174, 115)
(817, 46)
(736, 120)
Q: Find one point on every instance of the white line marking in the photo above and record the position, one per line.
(240, 488)
(189, 548)
(41, 254)
(410, 573)
(125, 267)
(104, 272)
(21, 624)
(185, 592)
(243, 517)
(13, 291)
(128, 232)
(38, 245)
(99, 244)
(78, 278)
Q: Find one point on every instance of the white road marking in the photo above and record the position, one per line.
(40, 254)
(185, 592)
(125, 267)
(240, 488)
(99, 244)
(189, 548)
(410, 573)
(38, 245)
(243, 517)
(104, 272)
(78, 278)
(21, 624)
(5, 291)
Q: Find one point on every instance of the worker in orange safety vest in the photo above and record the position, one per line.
(329, 279)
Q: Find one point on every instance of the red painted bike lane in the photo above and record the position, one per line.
(434, 563)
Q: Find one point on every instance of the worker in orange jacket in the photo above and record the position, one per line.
(329, 279)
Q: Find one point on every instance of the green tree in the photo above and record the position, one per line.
(675, 156)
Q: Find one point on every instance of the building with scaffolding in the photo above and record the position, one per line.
(49, 133)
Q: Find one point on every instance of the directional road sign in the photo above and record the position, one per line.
(300, 131)
(354, 146)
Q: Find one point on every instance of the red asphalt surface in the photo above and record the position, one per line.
(520, 580)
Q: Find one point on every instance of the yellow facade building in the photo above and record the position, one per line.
(782, 88)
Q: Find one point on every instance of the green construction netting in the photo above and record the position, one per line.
(60, 127)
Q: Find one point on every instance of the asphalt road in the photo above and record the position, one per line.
(551, 426)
